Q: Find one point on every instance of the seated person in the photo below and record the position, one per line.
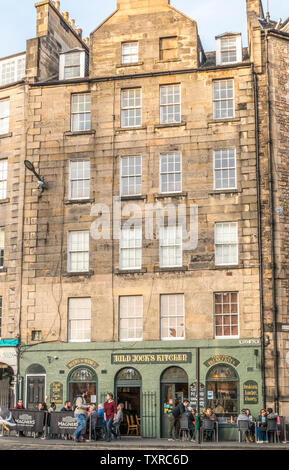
(244, 417)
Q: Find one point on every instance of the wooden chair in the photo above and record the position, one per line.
(138, 422)
(131, 426)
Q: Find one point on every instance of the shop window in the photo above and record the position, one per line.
(83, 378)
(223, 383)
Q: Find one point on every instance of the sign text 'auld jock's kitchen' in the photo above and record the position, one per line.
(152, 358)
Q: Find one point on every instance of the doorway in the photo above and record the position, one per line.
(128, 392)
(35, 386)
(80, 379)
(6, 388)
(174, 389)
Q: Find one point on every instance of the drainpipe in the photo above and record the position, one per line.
(256, 104)
(271, 189)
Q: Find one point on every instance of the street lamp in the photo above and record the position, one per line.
(40, 180)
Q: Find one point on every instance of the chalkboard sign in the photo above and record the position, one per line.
(56, 392)
(193, 396)
(251, 394)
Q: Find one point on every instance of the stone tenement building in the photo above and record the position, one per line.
(136, 118)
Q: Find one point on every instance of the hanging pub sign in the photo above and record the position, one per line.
(63, 423)
(251, 394)
(56, 393)
(221, 358)
(31, 421)
(193, 396)
(152, 358)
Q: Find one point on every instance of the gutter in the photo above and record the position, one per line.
(273, 255)
(256, 104)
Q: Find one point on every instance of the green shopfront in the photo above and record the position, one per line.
(149, 378)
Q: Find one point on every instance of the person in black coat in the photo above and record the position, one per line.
(177, 411)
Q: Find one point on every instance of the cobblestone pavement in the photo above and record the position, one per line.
(12, 443)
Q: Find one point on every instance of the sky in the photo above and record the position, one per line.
(214, 17)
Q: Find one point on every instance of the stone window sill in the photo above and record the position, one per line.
(9, 134)
(130, 271)
(132, 64)
(225, 191)
(223, 120)
(71, 133)
(79, 201)
(81, 274)
(133, 198)
(136, 128)
(170, 195)
(157, 269)
(171, 124)
(229, 267)
(163, 61)
(5, 201)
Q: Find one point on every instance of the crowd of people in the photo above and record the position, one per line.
(102, 421)
(260, 429)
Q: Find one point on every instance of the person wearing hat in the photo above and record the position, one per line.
(177, 411)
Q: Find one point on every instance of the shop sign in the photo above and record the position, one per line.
(56, 392)
(193, 398)
(155, 358)
(219, 358)
(82, 361)
(63, 423)
(31, 421)
(251, 395)
(9, 356)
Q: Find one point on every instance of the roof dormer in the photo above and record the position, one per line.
(73, 64)
(229, 48)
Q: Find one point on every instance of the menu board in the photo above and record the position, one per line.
(193, 396)
(251, 394)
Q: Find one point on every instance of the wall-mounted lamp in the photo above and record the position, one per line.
(40, 180)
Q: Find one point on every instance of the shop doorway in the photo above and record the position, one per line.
(83, 378)
(6, 387)
(223, 390)
(128, 391)
(174, 388)
(35, 386)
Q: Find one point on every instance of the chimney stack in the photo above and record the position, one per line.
(86, 40)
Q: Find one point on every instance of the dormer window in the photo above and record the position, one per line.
(12, 70)
(229, 49)
(73, 64)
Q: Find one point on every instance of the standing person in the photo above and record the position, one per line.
(80, 414)
(110, 412)
(196, 423)
(177, 411)
(42, 407)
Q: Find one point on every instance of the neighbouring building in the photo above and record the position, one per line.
(141, 120)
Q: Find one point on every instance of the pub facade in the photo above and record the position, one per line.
(136, 237)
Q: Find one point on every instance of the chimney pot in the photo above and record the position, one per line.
(79, 32)
(72, 22)
(57, 5)
(66, 15)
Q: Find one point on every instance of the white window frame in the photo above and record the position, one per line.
(226, 99)
(238, 48)
(228, 314)
(130, 177)
(166, 245)
(63, 65)
(131, 244)
(5, 117)
(168, 172)
(128, 111)
(85, 112)
(225, 153)
(230, 243)
(77, 179)
(135, 318)
(3, 178)
(69, 329)
(127, 57)
(175, 316)
(167, 105)
(18, 73)
(70, 251)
